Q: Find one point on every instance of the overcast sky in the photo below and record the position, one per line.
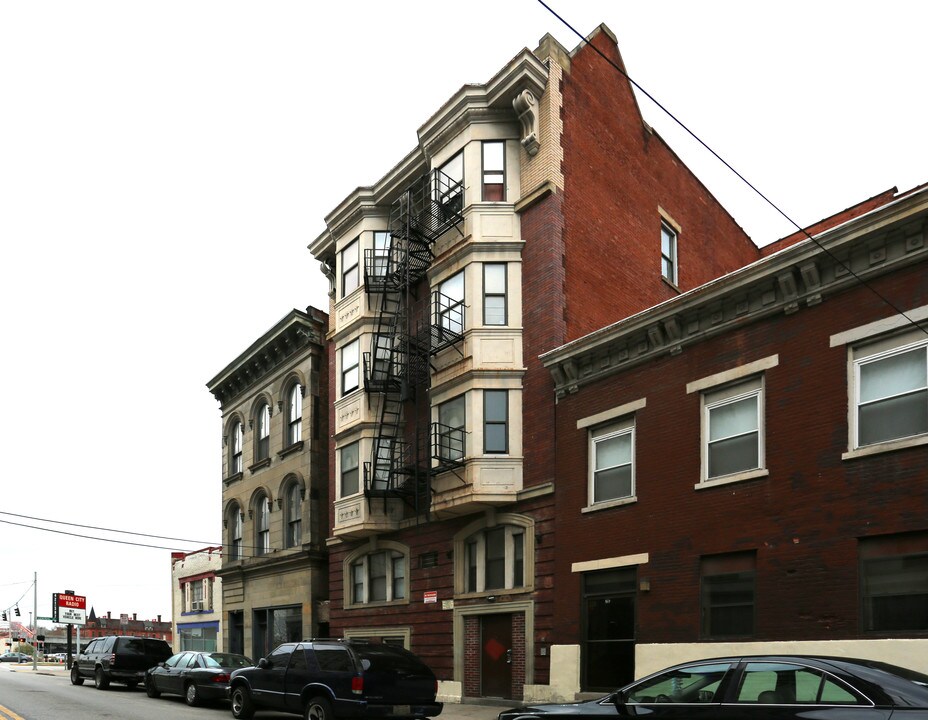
(163, 166)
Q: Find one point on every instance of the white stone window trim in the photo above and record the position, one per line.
(362, 554)
(730, 382)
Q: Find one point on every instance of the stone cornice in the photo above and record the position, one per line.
(295, 332)
(882, 241)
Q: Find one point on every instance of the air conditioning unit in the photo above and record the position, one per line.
(196, 605)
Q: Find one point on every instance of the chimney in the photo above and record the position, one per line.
(159, 618)
(109, 614)
(134, 618)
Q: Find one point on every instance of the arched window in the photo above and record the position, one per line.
(238, 436)
(235, 532)
(262, 525)
(378, 576)
(294, 530)
(295, 414)
(263, 433)
(491, 557)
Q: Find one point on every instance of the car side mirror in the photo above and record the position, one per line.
(263, 663)
(619, 700)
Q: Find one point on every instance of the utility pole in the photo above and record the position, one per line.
(35, 615)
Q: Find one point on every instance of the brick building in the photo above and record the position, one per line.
(745, 467)
(536, 208)
(273, 399)
(103, 625)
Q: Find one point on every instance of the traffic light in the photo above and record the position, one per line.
(16, 610)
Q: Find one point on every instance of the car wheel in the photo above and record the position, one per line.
(76, 678)
(241, 703)
(100, 681)
(150, 688)
(190, 694)
(318, 709)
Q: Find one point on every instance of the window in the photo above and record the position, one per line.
(894, 583)
(350, 365)
(351, 276)
(262, 525)
(495, 421)
(449, 435)
(692, 684)
(450, 305)
(235, 524)
(668, 253)
(494, 171)
(732, 432)
(294, 515)
(774, 683)
(196, 595)
(891, 383)
(238, 436)
(449, 188)
(495, 559)
(727, 590)
(378, 577)
(295, 414)
(612, 466)
(494, 294)
(380, 264)
(263, 435)
(350, 484)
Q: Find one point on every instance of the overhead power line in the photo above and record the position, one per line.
(618, 69)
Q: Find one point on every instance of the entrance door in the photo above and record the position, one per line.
(496, 656)
(607, 658)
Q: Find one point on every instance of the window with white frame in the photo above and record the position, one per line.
(449, 185)
(449, 435)
(263, 434)
(732, 429)
(494, 559)
(612, 462)
(381, 256)
(378, 577)
(494, 293)
(351, 360)
(350, 475)
(196, 595)
(351, 274)
(494, 171)
(890, 397)
(235, 532)
(668, 252)
(295, 414)
(262, 525)
(238, 438)
(495, 421)
(294, 500)
(450, 304)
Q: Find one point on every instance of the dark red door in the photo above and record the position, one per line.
(496, 656)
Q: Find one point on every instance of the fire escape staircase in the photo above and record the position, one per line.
(397, 368)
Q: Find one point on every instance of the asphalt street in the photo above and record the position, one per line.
(452, 711)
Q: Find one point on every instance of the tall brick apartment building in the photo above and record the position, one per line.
(745, 467)
(536, 208)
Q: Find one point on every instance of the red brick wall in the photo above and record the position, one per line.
(803, 520)
(616, 175)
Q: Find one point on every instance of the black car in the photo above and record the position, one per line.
(198, 676)
(118, 658)
(326, 679)
(784, 687)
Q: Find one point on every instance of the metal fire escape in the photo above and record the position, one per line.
(410, 330)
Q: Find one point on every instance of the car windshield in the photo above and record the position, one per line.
(229, 660)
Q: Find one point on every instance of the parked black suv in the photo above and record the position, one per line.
(118, 658)
(326, 679)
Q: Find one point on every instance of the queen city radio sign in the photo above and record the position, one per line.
(68, 608)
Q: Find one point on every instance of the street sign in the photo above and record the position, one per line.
(69, 608)
(42, 617)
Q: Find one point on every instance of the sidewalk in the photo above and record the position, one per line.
(474, 710)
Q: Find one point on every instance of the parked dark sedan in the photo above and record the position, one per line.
(761, 687)
(198, 676)
(16, 657)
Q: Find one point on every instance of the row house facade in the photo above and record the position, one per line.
(745, 467)
(274, 574)
(536, 208)
(196, 600)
